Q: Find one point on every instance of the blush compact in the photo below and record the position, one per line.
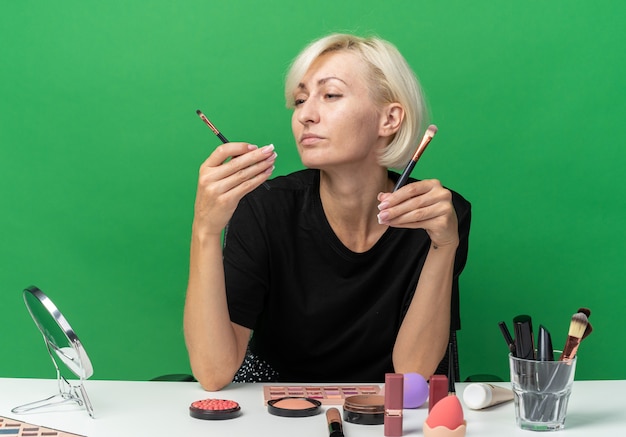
(294, 407)
(214, 409)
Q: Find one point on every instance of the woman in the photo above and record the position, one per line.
(327, 275)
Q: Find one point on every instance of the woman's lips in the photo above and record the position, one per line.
(310, 139)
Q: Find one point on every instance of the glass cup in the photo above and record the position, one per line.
(541, 391)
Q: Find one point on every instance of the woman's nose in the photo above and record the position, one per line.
(308, 112)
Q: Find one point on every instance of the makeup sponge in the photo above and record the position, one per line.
(445, 419)
(415, 390)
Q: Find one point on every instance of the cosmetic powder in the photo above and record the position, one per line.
(294, 407)
(214, 409)
(364, 409)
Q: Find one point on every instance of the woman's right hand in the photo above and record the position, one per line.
(228, 174)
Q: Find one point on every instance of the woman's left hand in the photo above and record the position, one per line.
(424, 205)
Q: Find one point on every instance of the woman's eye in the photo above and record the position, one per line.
(332, 96)
(298, 102)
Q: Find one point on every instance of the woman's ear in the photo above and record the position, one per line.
(391, 119)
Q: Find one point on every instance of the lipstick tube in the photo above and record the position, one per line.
(394, 403)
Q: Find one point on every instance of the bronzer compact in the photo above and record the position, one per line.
(364, 409)
(294, 407)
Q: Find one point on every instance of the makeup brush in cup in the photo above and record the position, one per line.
(588, 329)
(576, 331)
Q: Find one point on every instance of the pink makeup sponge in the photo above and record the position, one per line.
(415, 390)
(445, 419)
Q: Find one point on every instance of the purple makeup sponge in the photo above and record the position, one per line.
(415, 390)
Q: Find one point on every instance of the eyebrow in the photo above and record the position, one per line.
(322, 81)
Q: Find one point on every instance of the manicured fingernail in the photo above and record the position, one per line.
(252, 147)
(269, 148)
(383, 205)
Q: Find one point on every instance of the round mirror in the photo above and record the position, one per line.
(57, 332)
(62, 343)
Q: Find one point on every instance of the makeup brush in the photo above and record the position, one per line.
(211, 126)
(335, 428)
(576, 330)
(588, 329)
(430, 133)
(451, 375)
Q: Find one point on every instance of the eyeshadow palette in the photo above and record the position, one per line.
(11, 427)
(326, 394)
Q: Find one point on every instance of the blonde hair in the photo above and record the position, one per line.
(390, 79)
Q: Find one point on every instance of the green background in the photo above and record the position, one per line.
(100, 148)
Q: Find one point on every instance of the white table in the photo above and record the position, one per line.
(125, 408)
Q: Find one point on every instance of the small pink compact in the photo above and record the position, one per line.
(214, 409)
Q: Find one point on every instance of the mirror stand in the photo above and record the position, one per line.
(67, 394)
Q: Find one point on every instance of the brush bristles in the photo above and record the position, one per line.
(431, 131)
(578, 325)
(589, 328)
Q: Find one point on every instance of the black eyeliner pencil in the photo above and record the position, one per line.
(507, 337)
(213, 128)
(404, 177)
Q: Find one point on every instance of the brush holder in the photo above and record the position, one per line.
(541, 392)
